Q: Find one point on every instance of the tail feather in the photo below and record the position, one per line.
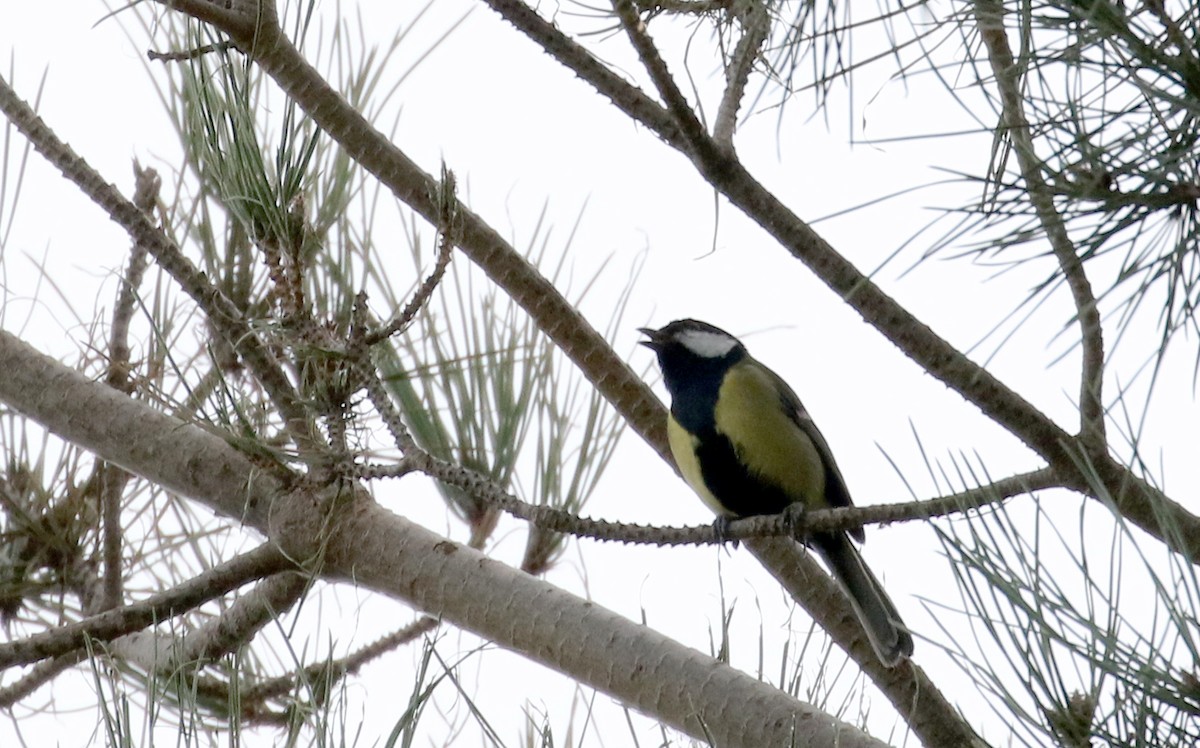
(885, 629)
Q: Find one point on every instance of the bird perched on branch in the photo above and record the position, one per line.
(744, 442)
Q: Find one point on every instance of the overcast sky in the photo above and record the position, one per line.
(522, 133)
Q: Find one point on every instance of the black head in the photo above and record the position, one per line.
(693, 353)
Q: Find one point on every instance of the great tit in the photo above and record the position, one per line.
(747, 446)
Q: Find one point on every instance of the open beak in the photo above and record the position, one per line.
(655, 338)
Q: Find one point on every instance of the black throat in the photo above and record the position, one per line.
(694, 383)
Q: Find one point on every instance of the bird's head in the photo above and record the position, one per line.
(691, 350)
(691, 337)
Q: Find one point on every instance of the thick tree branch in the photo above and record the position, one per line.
(577, 637)
(133, 435)
(364, 544)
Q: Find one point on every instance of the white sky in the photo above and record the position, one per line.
(522, 132)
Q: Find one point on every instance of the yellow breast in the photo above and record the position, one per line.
(683, 449)
(767, 440)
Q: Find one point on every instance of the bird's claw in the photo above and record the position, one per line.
(721, 531)
(795, 520)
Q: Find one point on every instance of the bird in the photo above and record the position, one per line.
(745, 444)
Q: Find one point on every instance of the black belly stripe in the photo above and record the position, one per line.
(741, 493)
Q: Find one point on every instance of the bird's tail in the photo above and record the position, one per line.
(886, 631)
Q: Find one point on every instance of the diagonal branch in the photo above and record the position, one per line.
(1138, 501)
(218, 309)
(677, 104)
(989, 17)
(245, 617)
(215, 582)
(133, 435)
(755, 23)
(926, 710)
(912, 336)
(628, 98)
(372, 150)
(38, 676)
(259, 693)
(364, 544)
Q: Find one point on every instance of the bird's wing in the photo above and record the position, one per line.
(836, 492)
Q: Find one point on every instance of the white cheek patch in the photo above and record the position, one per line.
(707, 344)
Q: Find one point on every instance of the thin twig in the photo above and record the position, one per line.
(628, 98)
(373, 471)
(686, 7)
(110, 479)
(788, 524)
(191, 54)
(1175, 34)
(110, 488)
(383, 404)
(341, 668)
(448, 222)
(145, 197)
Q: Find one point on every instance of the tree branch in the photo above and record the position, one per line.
(219, 310)
(989, 18)
(111, 480)
(755, 23)
(361, 543)
(930, 715)
(348, 665)
(133, 435)
(784, 525)
(236, 626)
(628, 98)
(371, 149)
(41, 674)
(219, 580)
(1138, 501)
(677, 104)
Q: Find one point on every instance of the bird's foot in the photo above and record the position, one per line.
(721, 530)
(795, 519)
